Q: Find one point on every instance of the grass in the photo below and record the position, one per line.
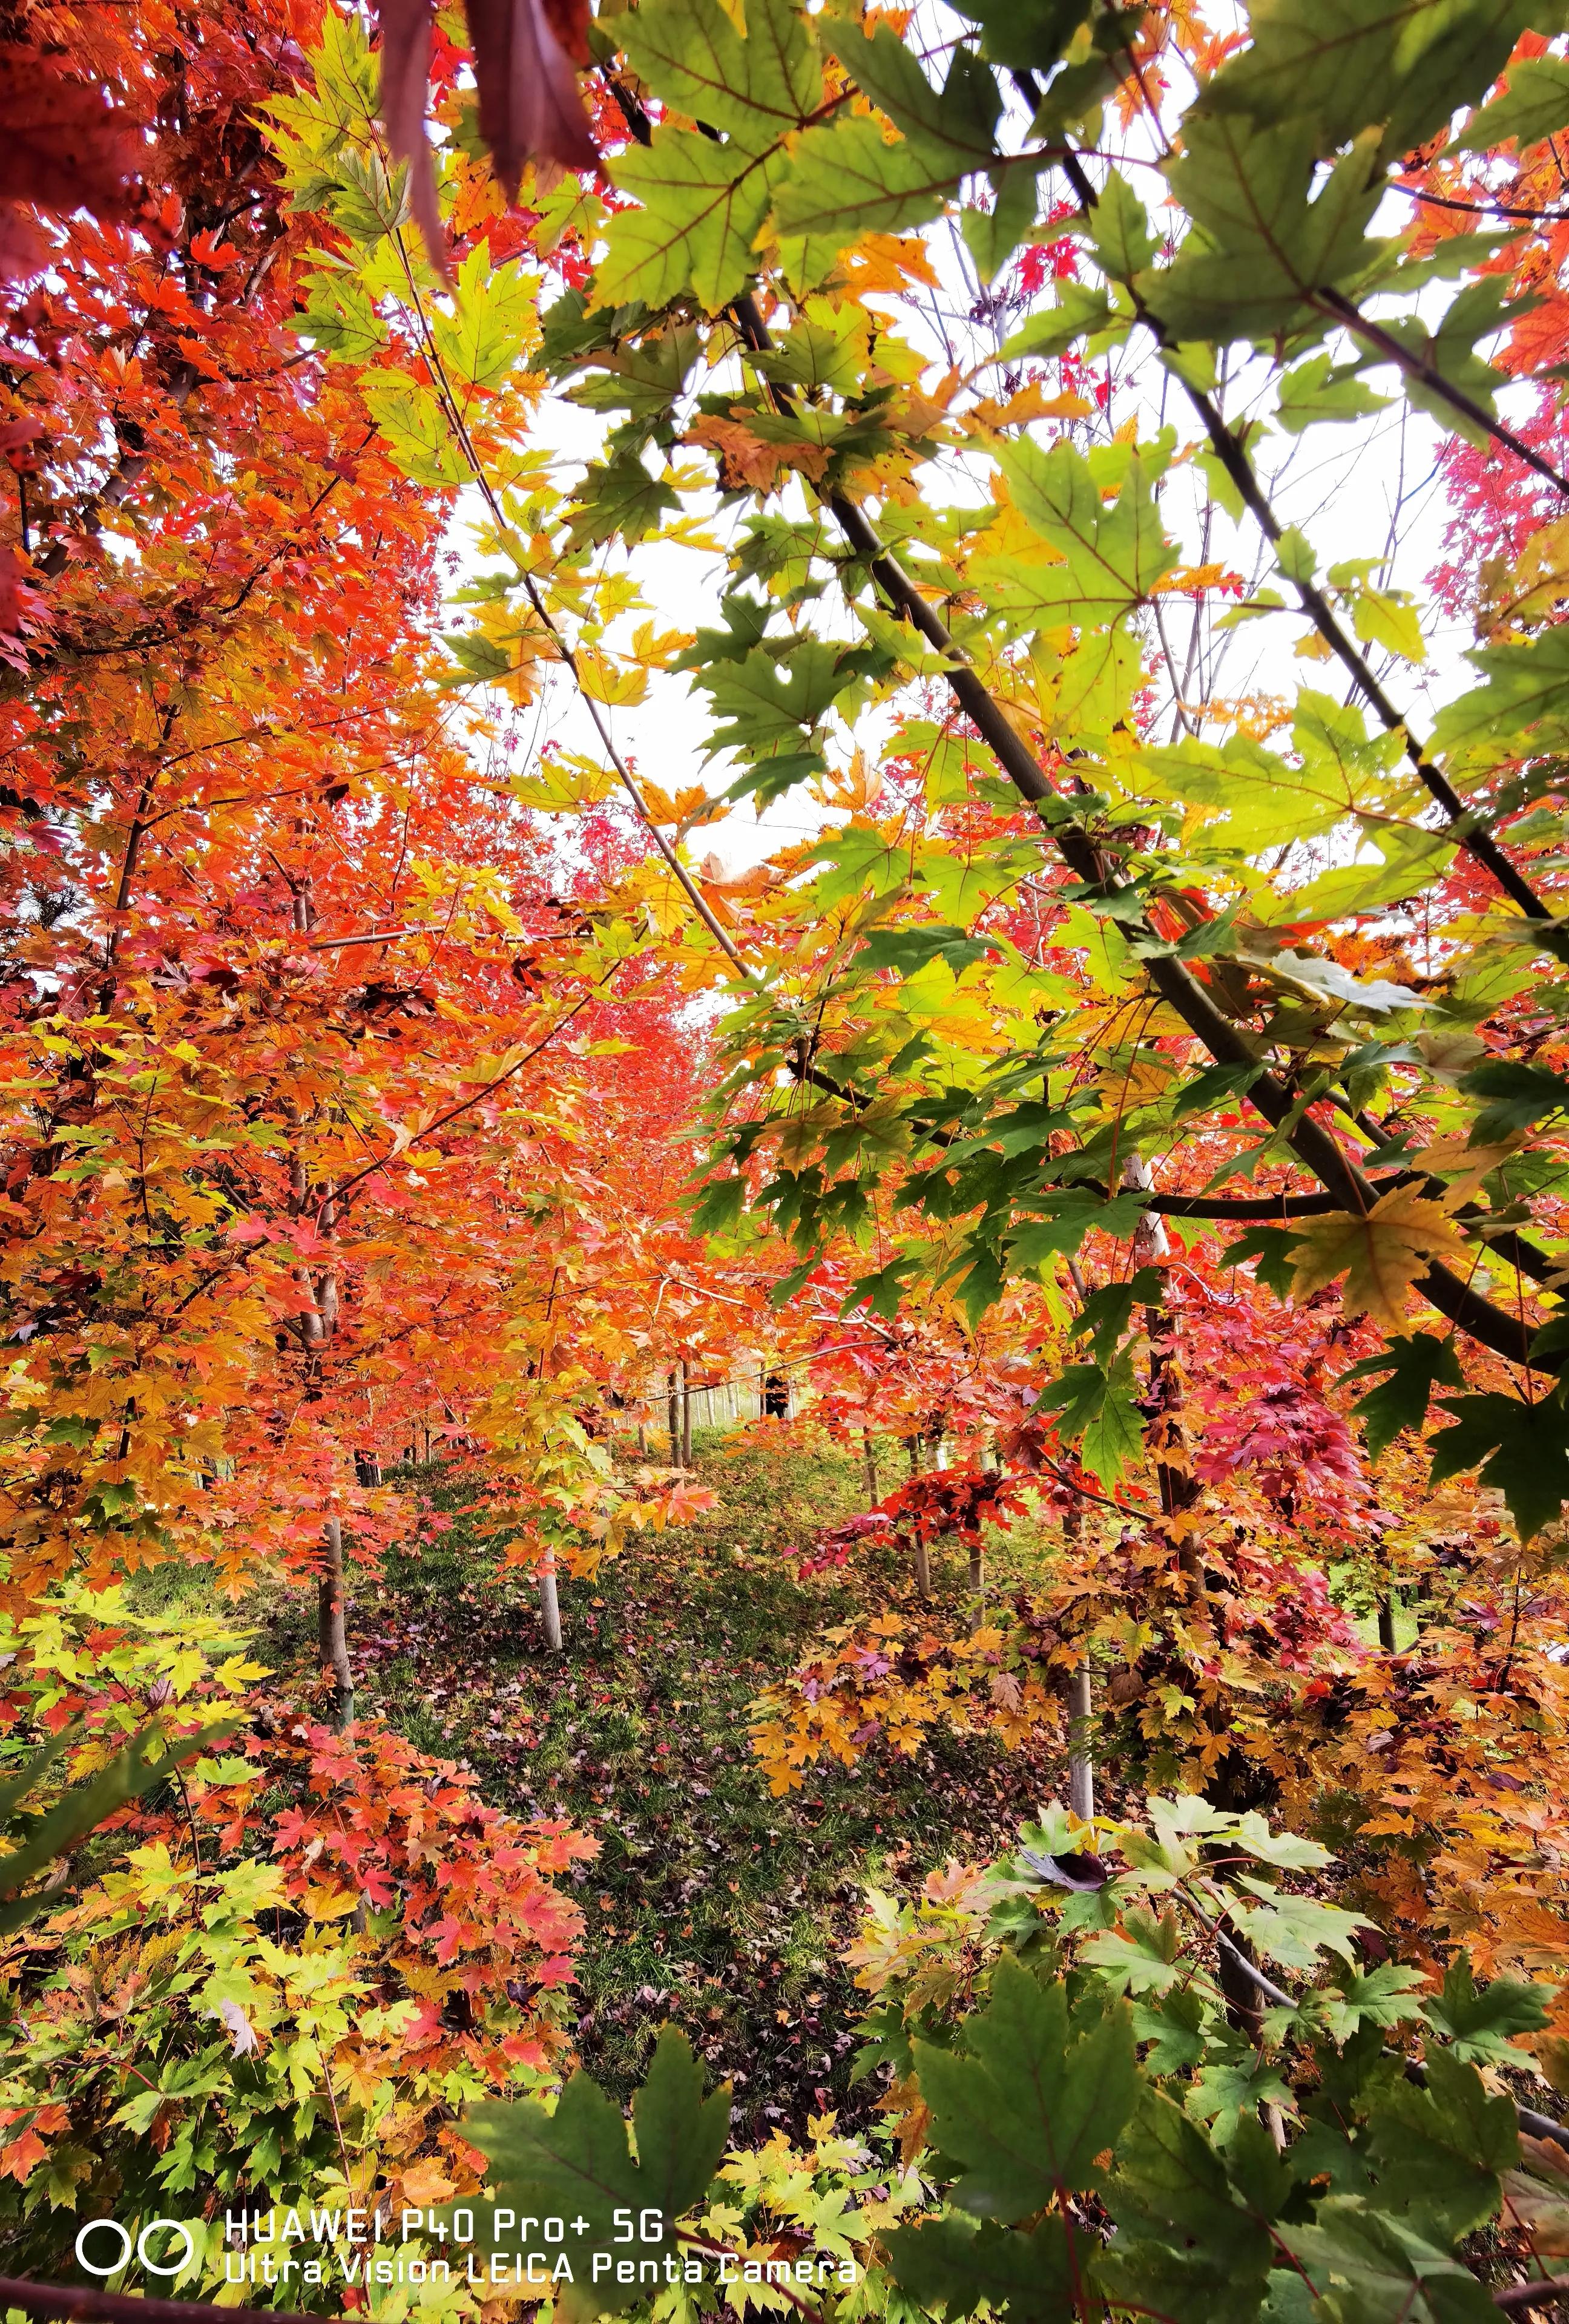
(711, 1903)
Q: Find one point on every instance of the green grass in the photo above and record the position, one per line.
(711, 1902)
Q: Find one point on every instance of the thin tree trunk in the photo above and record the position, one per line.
(550, 1604)
(673, 1414)
(686, 1414)
(330, 1610)
(1081, 1761)
(923, 1564)
(990, 1466)
(1178, 1486)
(870, 1459)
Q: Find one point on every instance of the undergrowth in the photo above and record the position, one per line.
(711, 1903)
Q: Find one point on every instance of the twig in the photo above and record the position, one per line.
(1233, 456)
(441, 1121)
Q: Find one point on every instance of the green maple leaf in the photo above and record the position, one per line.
(1111, 557)
(1078, 309)
(1074, 1214)
(752, 89)
(704, 197)
(846, 180)
(1097, 1413)
(1368, 2269)
(1344, 66)
(1106, 1313)
(1479, 310)
(1477, 2024)
(1027, 33)
(1527, 689)
(340, 319)
(702, 205)
(618, 499)
(412, 423)
(1260, 244)
(495, 318)
(1184, 2228)
(1294, 1931)
(577, 2163)
(764, 705)
(1415, 1364)
(1439, 2151)
(1321, 389)
(961, 115)
(1520, 1449)
(1035, 2097)
(962, 2264)
(644, 379)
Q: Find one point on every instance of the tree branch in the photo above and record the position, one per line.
(1495, 1327)
(1346, 312)
(1230, 451)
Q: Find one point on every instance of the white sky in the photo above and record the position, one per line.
(1357, 491)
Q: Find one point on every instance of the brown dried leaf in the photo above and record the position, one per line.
(529, 101)
(530, 108)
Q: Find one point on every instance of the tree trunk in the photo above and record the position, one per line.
(686, 1414)
(550, 1604)
(870, 1459)
(1081, 1758)
(923, 1564)
(329, 1610)
(673, 1414)
(1388, 1600)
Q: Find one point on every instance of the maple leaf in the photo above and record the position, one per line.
(1381, 1254)
(704, 198)
(528, 100)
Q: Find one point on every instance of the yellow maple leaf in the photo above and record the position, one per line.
(887, 262)
(323, 1904)
(1193, 580)
(857, 785)
(426, 2183)
(654, 648)
(1380, 1255)
(1471, 1164)
(1031, 402)
(604, 678)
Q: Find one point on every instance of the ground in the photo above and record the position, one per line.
(710, 1903)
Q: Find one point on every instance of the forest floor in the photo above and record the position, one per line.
(711, 1902)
